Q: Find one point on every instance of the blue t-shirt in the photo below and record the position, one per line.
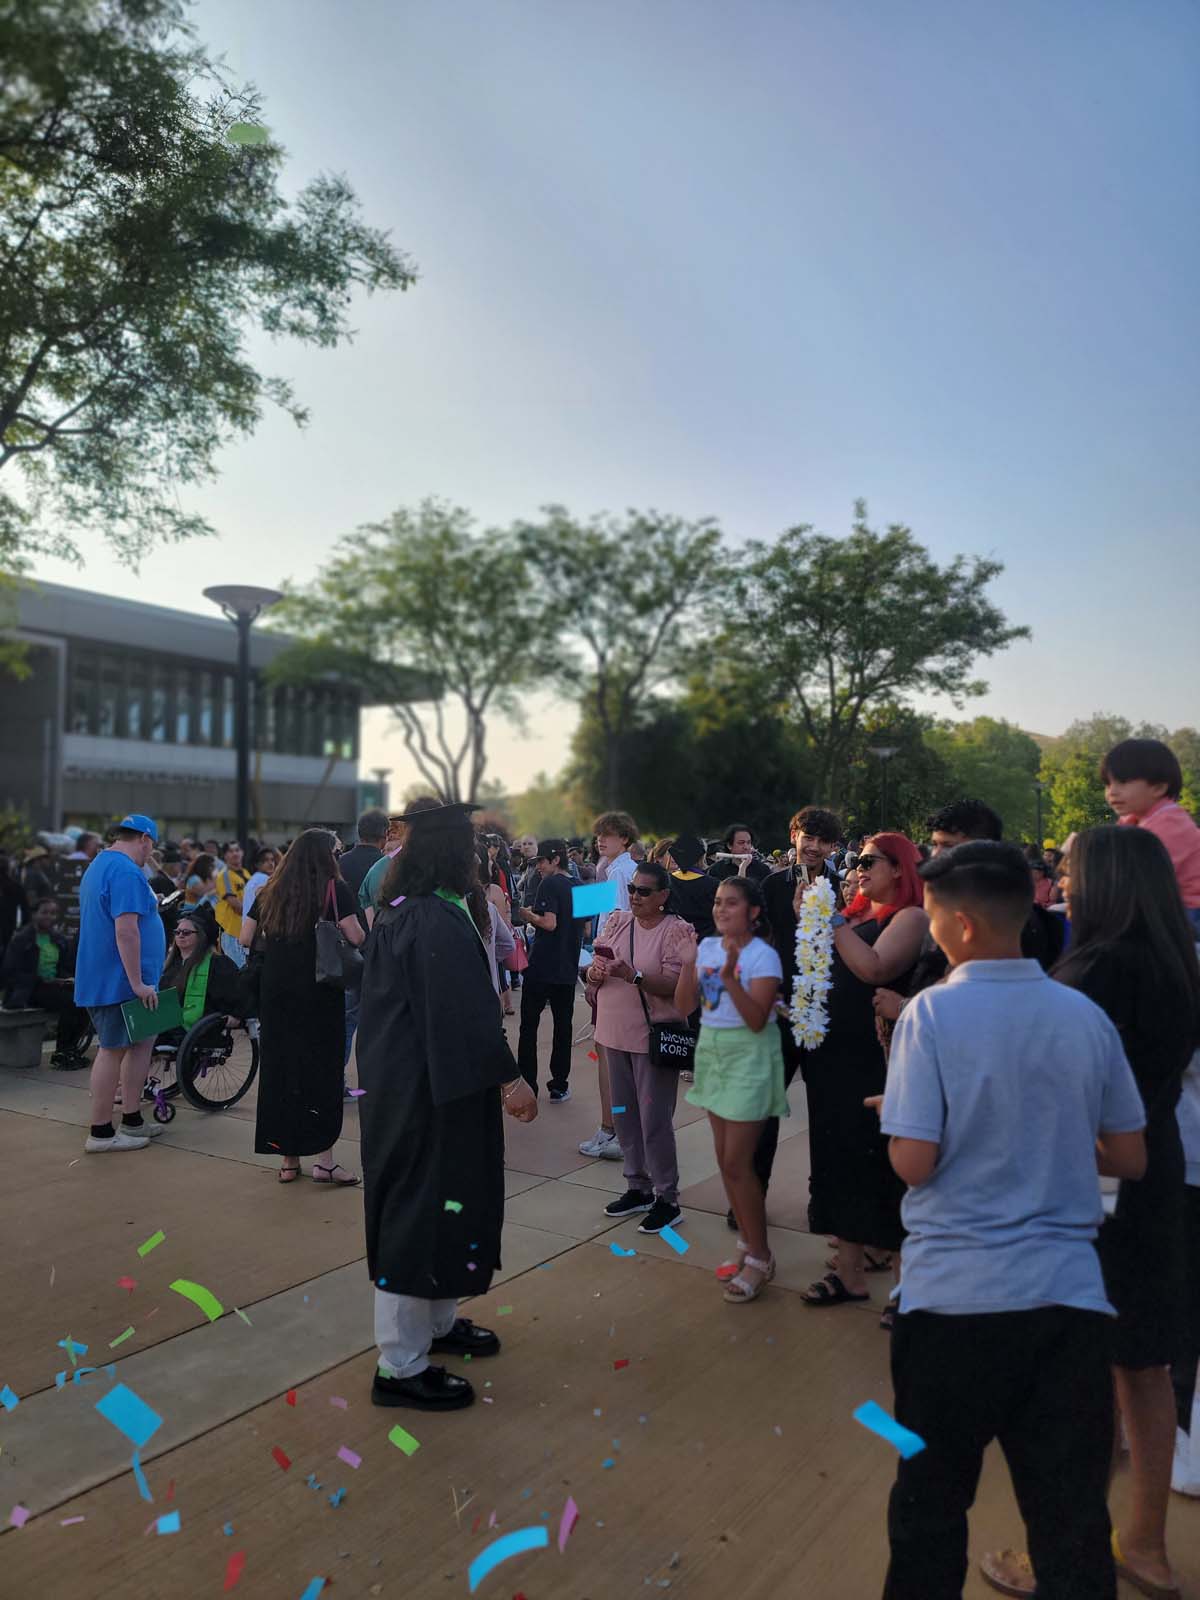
(112, 886)
(1012, 1075)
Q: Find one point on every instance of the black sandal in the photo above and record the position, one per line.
(829, 1291)
(888, 1320)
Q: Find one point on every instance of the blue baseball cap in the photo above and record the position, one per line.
(140, 824)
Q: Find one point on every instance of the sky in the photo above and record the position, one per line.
(752, 262)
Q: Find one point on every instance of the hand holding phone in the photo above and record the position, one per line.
(604, 950)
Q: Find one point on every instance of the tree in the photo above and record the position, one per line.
(837, 625)
(138, 245)
(629, 596)
(992, 761)
(413, 593)
(1071, 768)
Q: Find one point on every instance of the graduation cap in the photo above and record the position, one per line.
(433, 817)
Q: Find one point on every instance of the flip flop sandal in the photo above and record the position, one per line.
(872, 1263)
(730, 1269)
(829, 1291)
(740, 1291)
(348, 1182)
(1156, 1591)
(888, 1320)
(1009, 1571)
(289, 1174)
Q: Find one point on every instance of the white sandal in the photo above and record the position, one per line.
(730, 1269)
(740, 1290)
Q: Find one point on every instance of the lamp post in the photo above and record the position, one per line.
(381, 776)
(885, 752)
(1039, 789)
(242, 604)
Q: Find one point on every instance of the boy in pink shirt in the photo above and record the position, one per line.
(1142, 784)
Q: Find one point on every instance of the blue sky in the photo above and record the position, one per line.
(753, 261)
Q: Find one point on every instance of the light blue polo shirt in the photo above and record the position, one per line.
(1012, 1075)
(112, 886)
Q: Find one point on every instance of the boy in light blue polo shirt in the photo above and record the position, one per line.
(1005, 1090)
(122, 947)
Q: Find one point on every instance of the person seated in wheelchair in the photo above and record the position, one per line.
(38, 971)
(207, 981)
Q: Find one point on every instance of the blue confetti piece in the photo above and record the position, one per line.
(502, 1549)
(169, 1522)
(617, 1110)
(678, 1244)
(132, 1415)
(526, 1494)
(315, 1585)
(607, 1463)
(8, 1399)
(618, 1251)
(227, 1530)
(60, 1379)
(593, 899)
(875, 1418)
(140, 1478)
(336, 1499)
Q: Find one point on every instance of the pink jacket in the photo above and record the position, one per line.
(1169, 822)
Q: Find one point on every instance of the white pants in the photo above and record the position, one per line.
(405, 1327)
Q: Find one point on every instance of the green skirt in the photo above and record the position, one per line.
(739, 1074)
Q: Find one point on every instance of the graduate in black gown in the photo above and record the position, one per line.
(438, 1072)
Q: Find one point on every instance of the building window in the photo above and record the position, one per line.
(108, 724)
(227, 712)
(137, 673)
(81, 707)
(183, 705)
(206, 710)
(160, 694)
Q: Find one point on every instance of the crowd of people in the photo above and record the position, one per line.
(1003, 1097)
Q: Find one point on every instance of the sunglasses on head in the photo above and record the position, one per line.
(639, 888)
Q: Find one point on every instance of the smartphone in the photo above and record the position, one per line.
(604, 950)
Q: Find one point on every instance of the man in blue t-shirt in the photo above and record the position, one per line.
(121, 952)
(1005, 1091)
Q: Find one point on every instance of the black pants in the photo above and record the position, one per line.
(535, 997)
(60, 998)
(1037, 1381)
(768, 1139)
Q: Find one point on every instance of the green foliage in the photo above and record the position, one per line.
(840, 625)
(1071, 768)
(550, 809)
(138, 246)
(992, 761)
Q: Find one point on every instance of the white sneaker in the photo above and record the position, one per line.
(148, 1130)
(604, 1146)
(121, 1140)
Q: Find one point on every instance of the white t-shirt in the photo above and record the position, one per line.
(757, 960)
(619, 870)
(250, 892)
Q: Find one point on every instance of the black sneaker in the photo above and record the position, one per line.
(663, 1214)
(631, 1202)
(557, 1096)
(435, 1389)
(467, 1338)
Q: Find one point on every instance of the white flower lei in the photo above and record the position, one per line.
(814, 961)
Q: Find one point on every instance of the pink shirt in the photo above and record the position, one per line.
(658, 953)
(1169, 822)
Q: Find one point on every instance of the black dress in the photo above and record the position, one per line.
(855, 1194)
(431, 1056)
(302, 1046)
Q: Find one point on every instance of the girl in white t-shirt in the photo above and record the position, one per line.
(735, 978)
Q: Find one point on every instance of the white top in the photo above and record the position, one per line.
(758, 960)
(619, 871)
(250, 892)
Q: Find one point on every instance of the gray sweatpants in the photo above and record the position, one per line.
(646, 1095)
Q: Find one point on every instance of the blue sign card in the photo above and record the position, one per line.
(593, 899)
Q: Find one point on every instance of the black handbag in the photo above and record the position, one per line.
(672, 1044)
(339, 965)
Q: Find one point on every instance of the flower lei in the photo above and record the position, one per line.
(814, 961)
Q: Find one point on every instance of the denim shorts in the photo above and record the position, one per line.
(111, 1032)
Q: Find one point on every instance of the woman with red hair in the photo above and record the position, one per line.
(854, 1194)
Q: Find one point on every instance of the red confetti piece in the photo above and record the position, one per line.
(291, 1397)
(127, 1283)
(234, 1569)
(592, 1056)
(475, 1524)
(171, 1490)
(617, 1365)
(282, 1459)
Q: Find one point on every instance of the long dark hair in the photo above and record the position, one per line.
(1124, 891)
(750, 892)
(440, 855)
(178, 970)
(292, 898)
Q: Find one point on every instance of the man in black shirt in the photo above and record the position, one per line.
(739, 859)
(553, 972)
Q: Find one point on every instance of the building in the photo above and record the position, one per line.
(131, 707)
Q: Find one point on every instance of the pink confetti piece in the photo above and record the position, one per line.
(570, 1516)
(349, 1457)
(69, 1522)
(357, 1094)
(336, 1400)
(19, 1516)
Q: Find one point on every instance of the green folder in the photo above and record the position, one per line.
(142, 1023)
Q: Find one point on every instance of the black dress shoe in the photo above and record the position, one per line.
(466, 1339)
(435, 1389)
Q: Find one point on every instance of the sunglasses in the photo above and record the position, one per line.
(865, 863)
(639, 889)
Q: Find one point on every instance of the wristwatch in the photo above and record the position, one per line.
(638, 978)
(837, 920)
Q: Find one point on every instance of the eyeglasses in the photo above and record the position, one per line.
(640, 889)
(865, 863)
(185, 933)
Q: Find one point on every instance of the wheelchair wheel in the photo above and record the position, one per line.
(216, 1065)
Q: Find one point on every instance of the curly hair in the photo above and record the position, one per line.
(819, 823)
(439, 856)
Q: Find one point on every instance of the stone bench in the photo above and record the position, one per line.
(21, 1036)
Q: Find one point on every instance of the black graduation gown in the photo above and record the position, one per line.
(431, 1056)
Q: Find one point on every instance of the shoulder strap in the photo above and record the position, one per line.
(330, 902)
(637, 986)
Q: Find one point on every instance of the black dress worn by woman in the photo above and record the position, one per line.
(302, 1046)
(854, 1193)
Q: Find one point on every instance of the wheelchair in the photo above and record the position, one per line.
(205, 1066)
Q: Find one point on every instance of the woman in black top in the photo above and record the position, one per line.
(302, 1024)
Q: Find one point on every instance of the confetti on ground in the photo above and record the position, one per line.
(233, 1569)
(169, 1522)
(336, 1400)
(503, 1549)
(618, 1251)
(125, 1410)
(336, 1498)
(69, 1522)
(617, 1365)
(403, 1440)
(243, 1316)
(8, 1399)
(227, 1529)
(152, 1243)
(68, 1344)
(170, 1489)
(504, 1311)
(120, 1339)
(53, 1270)
(453, 1205)
(18, 1516)
(139, 1478)
(875, 1418)
(570, 1516)
(777, 1430)
(679, 1245)
(349, 1457)
(199, 1296)
(283, 1459)
(290, 1397)
(315, 1585)
(607, 1463)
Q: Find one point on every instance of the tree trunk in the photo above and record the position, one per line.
(612, 769)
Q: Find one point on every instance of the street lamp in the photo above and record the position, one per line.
(1039, 789)
(243, 605)
(381, 776)
(885, 752)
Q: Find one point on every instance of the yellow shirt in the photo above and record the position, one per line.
(230, 880)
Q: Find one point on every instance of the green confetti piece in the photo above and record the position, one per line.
(247, 133)
(200, 1296)
(453, 1205)
(403, 1440)
(243, 1316)
(120, 1339)
(152, 1243)
(504, 1311)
